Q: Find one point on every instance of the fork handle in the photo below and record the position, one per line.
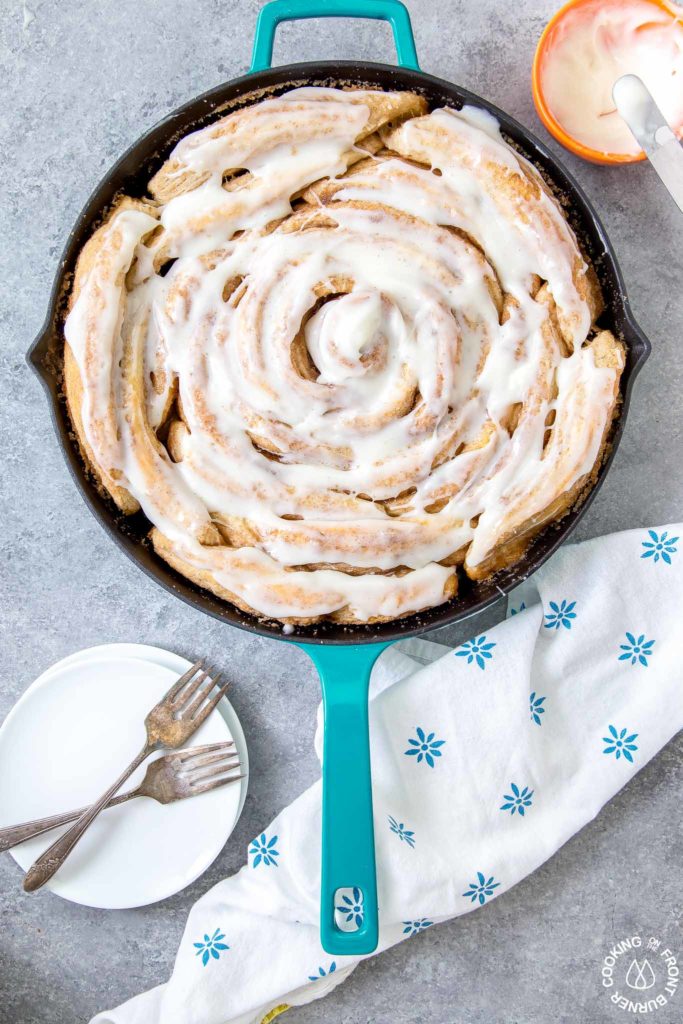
(52, 859)
(13, 835)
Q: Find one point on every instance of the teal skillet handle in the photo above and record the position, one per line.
(348, 841)
(392, 11)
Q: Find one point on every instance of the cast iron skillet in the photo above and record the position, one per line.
(344, 655)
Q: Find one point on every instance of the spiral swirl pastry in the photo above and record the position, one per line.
(343, 352)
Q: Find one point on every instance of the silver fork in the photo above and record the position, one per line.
(171, 777)
(169, 724)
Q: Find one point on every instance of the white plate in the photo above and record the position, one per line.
(69, 735)
(167, 659)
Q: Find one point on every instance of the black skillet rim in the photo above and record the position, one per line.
(142, 158)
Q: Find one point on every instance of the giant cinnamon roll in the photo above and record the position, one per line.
(343, 352)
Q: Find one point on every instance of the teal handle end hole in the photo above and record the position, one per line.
(349, 909)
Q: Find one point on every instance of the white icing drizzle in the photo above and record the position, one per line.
(383, 409)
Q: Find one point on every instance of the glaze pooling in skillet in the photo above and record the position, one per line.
(324, 409)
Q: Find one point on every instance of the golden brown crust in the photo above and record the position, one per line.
(385, 110)
(608, 351)
(166, 550)
(73, 384)
(73, 387)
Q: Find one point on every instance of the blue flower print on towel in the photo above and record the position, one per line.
(637, 651)
(322, 973)
(404, 834)
(424, 747)
(264, 851)
(476, 650)
(535, 707)
(352, 907)
(413, 927)
(516, 611)
(517, 800)
(211, 946)
(619, 743)
(482, 889)
(560, 615)
(660, 546)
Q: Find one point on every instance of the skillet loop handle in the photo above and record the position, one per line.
(348, 843)
(392, 11)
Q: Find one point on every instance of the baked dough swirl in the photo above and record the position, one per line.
(344, 351)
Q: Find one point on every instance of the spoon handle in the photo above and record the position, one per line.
(636, 105)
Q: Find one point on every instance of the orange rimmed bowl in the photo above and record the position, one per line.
(544, 53)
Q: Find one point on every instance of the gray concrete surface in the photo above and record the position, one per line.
(81, 80)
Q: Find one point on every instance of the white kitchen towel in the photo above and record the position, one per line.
(486, 759)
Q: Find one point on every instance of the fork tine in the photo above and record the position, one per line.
(212, 771)
(179, 683)
(202, 715)
(188, 710)
(188, 692)
(226, 750)
(188, 755)
(204, 787)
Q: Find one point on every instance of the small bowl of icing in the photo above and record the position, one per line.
(584, 49)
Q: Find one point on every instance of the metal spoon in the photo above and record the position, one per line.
(640, 112)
